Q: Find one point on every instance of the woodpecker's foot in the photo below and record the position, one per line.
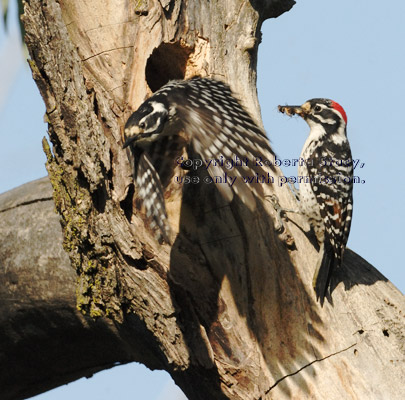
(282, 230)
(295, 191)
(273, 199)
(280, 212)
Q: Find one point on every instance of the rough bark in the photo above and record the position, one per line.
(228, 309)
(44, 340)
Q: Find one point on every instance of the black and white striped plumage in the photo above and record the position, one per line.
(205, 114)
(326, 196)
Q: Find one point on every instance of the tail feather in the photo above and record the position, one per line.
(323, 274)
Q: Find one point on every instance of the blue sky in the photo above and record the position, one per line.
(349, 51)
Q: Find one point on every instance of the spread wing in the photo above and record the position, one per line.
(220, 130)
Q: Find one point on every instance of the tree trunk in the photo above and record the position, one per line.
(228, 310)
(44, 340)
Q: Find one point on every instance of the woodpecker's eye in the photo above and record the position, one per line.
(142, 125)
(317, 108)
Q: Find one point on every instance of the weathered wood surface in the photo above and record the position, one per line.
(229, 309)
(44, 340)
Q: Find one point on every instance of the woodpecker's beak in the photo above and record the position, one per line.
(302, 111)
(128, 141)
(130, 135)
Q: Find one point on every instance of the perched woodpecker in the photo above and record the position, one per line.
(205, 115)
(326, 183)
